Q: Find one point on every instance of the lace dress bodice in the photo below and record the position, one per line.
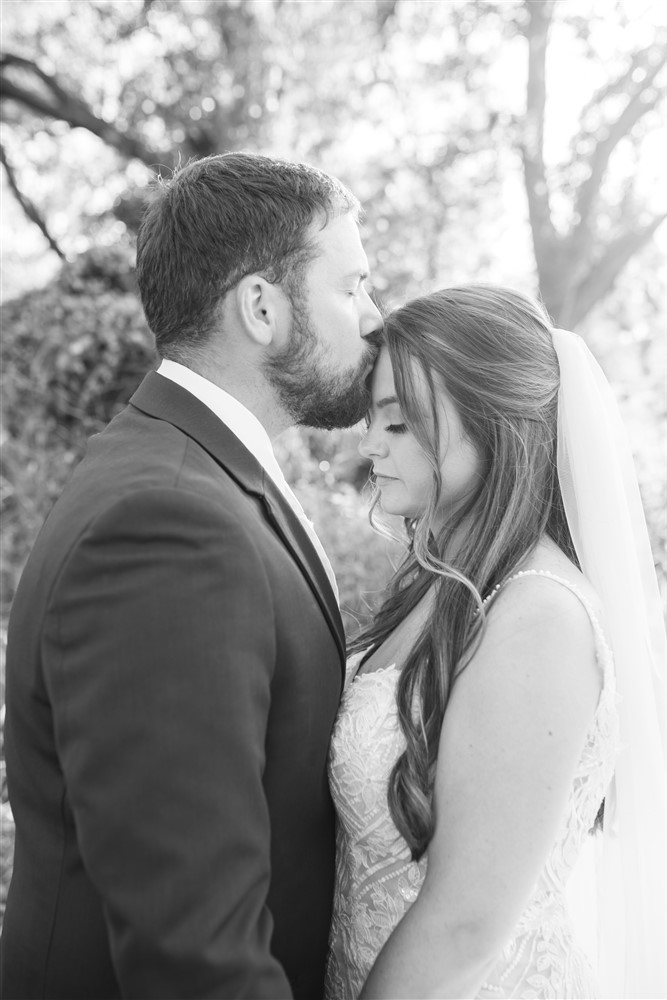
(377, 882)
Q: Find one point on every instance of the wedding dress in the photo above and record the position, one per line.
(377, 882)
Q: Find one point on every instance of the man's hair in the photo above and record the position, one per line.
(217, 220)
(491, 350)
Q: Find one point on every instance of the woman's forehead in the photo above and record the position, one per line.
(383, 384)
(383, 376)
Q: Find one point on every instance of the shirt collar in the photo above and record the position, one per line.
(237, 417)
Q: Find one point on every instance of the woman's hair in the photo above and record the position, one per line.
(491, 350)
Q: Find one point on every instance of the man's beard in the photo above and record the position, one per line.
(313, 395)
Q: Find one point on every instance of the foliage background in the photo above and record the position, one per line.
(515, 142)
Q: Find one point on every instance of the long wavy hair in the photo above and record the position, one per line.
(491, 350)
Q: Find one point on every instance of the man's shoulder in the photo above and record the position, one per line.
(136, 451)
(135, 456)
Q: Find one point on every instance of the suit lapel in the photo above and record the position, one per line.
(161, 398)
(290, 529)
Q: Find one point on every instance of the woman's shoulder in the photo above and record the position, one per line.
(546, 604)
(538, 650)
(547, 579)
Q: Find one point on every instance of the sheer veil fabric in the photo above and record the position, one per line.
(606, 520)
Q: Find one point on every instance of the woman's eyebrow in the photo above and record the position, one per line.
(385, 401)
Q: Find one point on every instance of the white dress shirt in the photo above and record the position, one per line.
(250, 433)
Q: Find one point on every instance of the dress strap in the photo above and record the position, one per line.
(604, 650)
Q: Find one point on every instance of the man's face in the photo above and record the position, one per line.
(321, 373)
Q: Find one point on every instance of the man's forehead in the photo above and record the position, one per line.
(340, 240)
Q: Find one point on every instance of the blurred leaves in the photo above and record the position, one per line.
(427, 110)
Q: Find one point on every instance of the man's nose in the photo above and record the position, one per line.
(371, 317)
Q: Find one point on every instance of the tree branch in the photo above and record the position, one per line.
(636, 107)
(601, 276)
(623, 84)
(27, 205)
(539, 16)
(384, 11)
(56, 102)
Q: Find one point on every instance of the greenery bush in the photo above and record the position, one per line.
(72, 354)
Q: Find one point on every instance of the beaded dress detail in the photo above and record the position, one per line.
(376, 880)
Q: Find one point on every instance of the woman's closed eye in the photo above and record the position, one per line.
(396, 428)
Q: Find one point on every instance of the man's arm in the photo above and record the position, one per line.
(159, 656)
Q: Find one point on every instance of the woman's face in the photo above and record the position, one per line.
(403, 473)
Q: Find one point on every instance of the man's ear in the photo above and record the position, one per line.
(262, 308)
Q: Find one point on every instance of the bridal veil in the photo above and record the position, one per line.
(606, 520)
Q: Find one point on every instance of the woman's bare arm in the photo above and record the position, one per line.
(513, 732)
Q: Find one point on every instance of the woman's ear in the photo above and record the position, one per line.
(262, 309)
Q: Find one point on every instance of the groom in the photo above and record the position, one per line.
(175, 652)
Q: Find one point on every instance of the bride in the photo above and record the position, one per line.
(502, 706)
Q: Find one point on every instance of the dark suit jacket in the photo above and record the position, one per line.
(175, 662)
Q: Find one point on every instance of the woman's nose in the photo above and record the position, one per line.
(371, 445)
